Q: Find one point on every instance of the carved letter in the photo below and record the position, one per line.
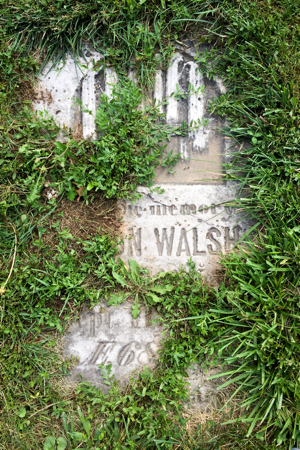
(203, 209)
(210, 236)
(100, 354)
(134, 210)
(172, 207)
(184, 209)
(104, 319)
(231, 240)
(196, 252)
(230, 210)
(188, 209)
(186, 244)
(135, 242)
(169, 242)
(137, 209)
(92, 323)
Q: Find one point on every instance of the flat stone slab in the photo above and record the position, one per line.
(194, 217)
(163, 231)
(109, 335)
(191, 218)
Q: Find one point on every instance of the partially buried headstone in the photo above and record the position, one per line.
(194, 217)
(109, 335)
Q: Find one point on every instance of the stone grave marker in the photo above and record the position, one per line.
(190, 219)
(109, 335)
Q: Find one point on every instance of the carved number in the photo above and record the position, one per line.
(126, 355)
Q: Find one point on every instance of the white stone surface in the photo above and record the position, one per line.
(109, 335)
(163, 231)
(60, 89)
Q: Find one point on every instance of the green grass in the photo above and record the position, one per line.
(128, 32)
(251, 323)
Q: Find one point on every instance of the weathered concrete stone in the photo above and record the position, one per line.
(110, 335)
(61, 89)
(163, 231)
(203, 149)
(203, 392)
(191, 218)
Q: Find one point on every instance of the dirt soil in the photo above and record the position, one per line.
(83, 221)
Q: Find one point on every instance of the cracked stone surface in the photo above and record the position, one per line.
(163, 231)
(191, 219)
